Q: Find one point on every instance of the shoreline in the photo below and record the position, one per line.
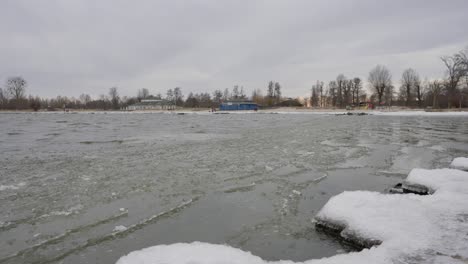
(269, 110)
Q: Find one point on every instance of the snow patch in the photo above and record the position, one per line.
(460, 163)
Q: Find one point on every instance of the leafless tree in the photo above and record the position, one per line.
(16, 88)
(257, 96)
(271, 89)
(314, 98)
(389, 94)
(435, 87)
(242, 93)
(332, 88)
(178, 96)
(319, 86)
(143, 93)
(340, 86)
(235, 92)
(357, 86)
(226, 94)
(85, 99)
(380, 80)
(347, 90)
(277, 92)
(456, 70)
(170, 95)
(217, 96)
(408, 79)
(114, 98)
(3, 97)
(419, 90)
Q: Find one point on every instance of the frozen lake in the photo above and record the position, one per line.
(71, 183)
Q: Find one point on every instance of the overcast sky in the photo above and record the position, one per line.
(69, 47)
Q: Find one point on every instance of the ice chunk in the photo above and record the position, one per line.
(12, 187)
(296, 192)
(439, 179)
(460, 163)
(119, 228)
(190, 253)
(408, 226)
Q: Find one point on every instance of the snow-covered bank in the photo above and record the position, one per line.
(409, 228)
(269, 111)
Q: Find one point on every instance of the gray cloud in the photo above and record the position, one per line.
(74, 46)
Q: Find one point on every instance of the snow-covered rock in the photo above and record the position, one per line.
(460, 163)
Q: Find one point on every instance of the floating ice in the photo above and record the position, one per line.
(12, 187)
(296, 192)
(119, 228)
(408, 228)
(460, 163)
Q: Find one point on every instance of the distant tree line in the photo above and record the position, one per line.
(338, 93)
(450, 91)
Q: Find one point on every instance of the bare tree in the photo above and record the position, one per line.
(35, 103)
(435, 88)
(408, 79)
(16, 87)
(178, 96)
(347, 90)
(235, 92)
(114, 98)
(143, 94)
(340, 86)
(271, 92)
(314, 98)
(170, 95)
(3, 98)
(380, 80)
(85, 99)
(357, 87)
(419, 90)
(319, 92)
(226, 94)
(332, 87)
(217, 96)
(277, 92)
(389, 94)
(455, 71)
(242, 93)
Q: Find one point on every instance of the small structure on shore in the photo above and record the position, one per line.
(238, 105)
(151, 104)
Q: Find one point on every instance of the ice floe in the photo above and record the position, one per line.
(392, 228)
(12, 187)
(119, 228)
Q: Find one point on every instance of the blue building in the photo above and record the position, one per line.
(235, 106)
